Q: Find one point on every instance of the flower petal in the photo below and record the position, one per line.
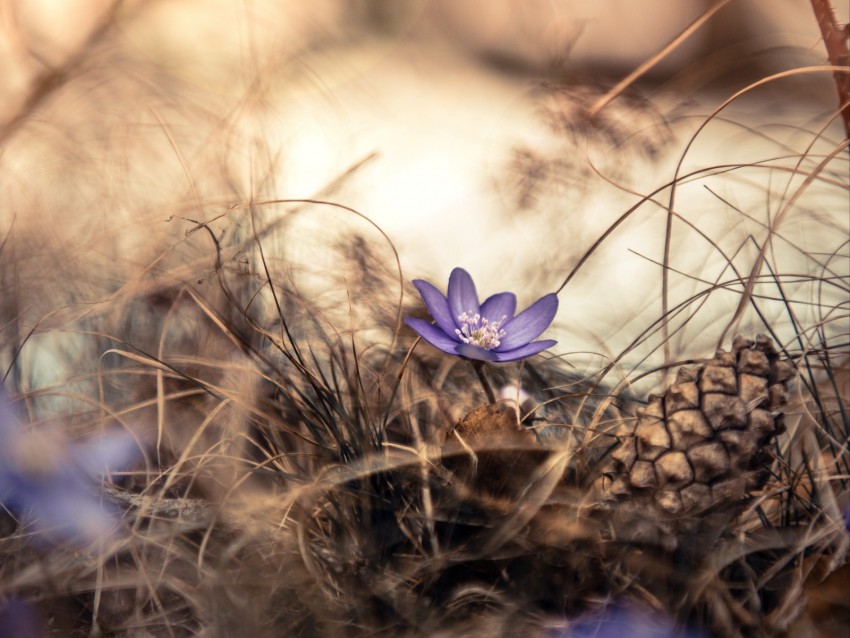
(478, 353)
(524, 351)
(71, 511)
(528, 324)
(111, 451)
(437, 305)
(502, 304)
(462, 294)
(433, 335)
(21, 619)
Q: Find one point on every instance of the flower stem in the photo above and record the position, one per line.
(488, 389)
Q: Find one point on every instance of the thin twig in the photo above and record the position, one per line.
(836, 40)
(623, 84)
(53, 79)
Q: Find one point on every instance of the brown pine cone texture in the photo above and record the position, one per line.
(705, 445)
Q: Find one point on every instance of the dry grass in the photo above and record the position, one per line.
(302, 472)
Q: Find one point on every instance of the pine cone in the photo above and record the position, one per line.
(706, 444)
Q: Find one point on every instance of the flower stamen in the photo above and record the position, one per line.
(479, 331)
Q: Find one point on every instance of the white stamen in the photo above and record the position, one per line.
(478, 330)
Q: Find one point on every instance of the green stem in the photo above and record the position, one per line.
(488, 389)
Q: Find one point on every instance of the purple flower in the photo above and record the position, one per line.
(50, 482)
(619, 619)
(488, 331)
(19, 619)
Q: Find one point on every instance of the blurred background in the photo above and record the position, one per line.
(180, 178)
(473, 134)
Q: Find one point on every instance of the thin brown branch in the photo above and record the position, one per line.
(48, 82)
(836, 39)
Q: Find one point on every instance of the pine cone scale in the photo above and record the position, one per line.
(700, 445)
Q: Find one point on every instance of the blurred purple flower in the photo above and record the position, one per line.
(619, 619)
(19, 619)
(488, 331)
(50, 482)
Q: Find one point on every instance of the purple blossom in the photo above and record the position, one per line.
(619, 619)
(486, 331)
(19, 619)
(50, 482)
